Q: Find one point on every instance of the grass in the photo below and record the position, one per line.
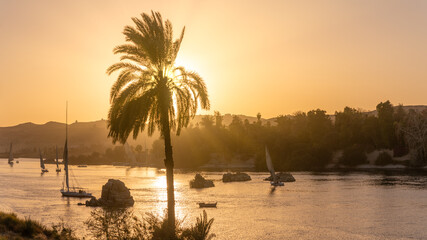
(13, 227)
(124, 224)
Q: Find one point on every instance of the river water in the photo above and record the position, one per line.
(316, 206)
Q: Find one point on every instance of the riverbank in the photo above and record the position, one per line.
(13, 227)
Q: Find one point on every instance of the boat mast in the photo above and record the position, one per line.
(66, 148)
(10, 153)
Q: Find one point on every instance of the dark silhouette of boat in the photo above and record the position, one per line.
(207, 205)
(73, 191)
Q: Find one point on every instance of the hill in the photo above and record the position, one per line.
(83, 137)
(88, 137)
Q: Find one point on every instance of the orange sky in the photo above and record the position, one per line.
(273, 57)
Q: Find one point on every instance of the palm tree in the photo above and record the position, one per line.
(151, 92)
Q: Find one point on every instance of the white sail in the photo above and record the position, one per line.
(41, 160)
(269, 163)
(10, 154)
(57, 166)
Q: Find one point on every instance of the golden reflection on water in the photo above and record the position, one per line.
(316, 206)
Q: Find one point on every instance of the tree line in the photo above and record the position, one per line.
(306, 140)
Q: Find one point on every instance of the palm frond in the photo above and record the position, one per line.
(137, 103)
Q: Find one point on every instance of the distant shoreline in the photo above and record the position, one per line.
(363, 169)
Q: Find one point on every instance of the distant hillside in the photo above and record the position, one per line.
(87, 137)
(84, 136)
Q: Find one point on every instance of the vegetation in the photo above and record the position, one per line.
(12, 227)
(124, 224)
(353, 156)
(151, 92)
(383, 159)
(304, 141)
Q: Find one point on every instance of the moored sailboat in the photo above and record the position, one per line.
(270, 167)
(66, 191)
(10, 160)
(42, 166)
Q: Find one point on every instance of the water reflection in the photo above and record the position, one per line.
(410, 181)
(316, 206)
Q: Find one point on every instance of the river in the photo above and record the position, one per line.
(331, 205)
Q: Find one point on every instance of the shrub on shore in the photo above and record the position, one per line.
(383, 159)
(124, 224)
(12, 227)
(353, 156)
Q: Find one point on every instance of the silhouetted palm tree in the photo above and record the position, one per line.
(150, 91)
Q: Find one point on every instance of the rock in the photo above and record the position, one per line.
(92, 202)
(282, 177)
(201, 182)
(114, 194)
(236, 177)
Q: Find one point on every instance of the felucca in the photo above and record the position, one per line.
(68, 191)
(270, 167)
(10, 160)
(42, 163)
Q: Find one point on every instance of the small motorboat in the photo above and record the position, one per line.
(276, 184)
(207, 205)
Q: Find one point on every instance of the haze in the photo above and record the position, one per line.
(273, 57)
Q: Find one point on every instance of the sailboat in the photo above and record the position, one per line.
(58, 169)
(42, 163)
(73, 191)
(270, 167)
(10, 161)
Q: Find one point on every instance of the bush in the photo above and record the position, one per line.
(200, 230)
(353, 156)
(123, 224)
(12, 227)
(383, 159)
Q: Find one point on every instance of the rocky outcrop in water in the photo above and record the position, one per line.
(236, 177)
(201, 182)
(282, 177)
(114, 194)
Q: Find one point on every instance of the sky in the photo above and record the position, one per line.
(272, 57)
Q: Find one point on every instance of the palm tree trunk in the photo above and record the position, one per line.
(168, 163)
(169, 179)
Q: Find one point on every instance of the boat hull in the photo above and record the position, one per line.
(207, 205)
(76, 194)
(276, 184)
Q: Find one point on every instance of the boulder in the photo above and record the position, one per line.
(114, 194)
(282, 177)
(93, 202)
(201, 182)
(236, 177)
